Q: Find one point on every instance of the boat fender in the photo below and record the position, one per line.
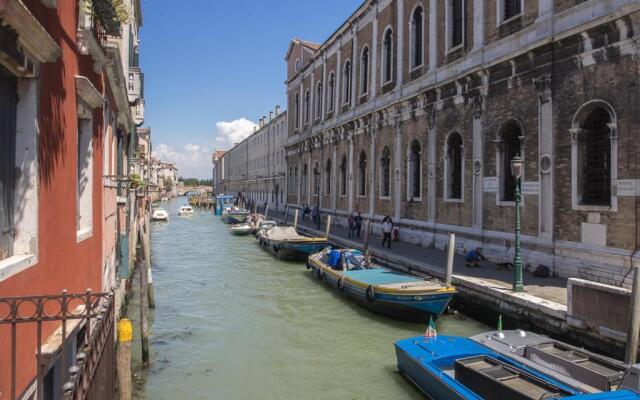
(371, 294)
(308, 264)
(320, 274)
(341, 284)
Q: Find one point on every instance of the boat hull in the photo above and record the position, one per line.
(234, 218)
(412, 307)
(240, 232)
(291, 251)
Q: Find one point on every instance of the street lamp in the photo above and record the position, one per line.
(316, 174)
(516, 170)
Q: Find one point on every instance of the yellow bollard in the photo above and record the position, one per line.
(125, 335)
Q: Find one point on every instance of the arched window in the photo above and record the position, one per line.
(594, 157)
(362, 174)
(454, 166)
(327, 177)
(387, 56)
(316, 179)
(343, 176)
(364, 71)
(332, 90)
(417, 35)
(414, 171)
(297, 111)
(305, 177)
(347, 82)
(307, 106)
(510, 146)
(298, 64)
(385, 173)
(318, 99)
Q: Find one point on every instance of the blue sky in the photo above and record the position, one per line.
(207, 62)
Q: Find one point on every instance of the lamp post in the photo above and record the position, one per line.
(516, 170)
(316, 175)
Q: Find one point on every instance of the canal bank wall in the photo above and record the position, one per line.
(543, 307)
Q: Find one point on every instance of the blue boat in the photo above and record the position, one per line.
(457, 368)
(223, 202)
(383, 291)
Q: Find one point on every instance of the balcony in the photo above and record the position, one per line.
(135, 84)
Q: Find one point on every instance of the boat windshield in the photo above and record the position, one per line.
(354, 261)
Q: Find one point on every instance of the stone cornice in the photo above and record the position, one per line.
(117, 83)
(88, 45)
(32, 36)
(87, 92)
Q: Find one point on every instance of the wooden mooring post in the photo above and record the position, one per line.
(450, 255)
(295, 219)
(125, 335)
(328, 227)
(286, 214)
(266, 211)
(144, 299)
(631, 350)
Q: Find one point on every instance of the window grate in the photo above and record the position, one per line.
(454, 149)
(596, 161)
(362, 166)
(385, 169)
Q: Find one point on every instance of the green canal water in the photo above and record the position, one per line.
(232, 322)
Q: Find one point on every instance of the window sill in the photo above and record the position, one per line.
(363, 95)
(584, 207)
(361, 196)
(414, 199)
(16, 264)
(510, 19)
(454, 200)
(416, 68)
(384, 198)
(83, 234)
(454, 49)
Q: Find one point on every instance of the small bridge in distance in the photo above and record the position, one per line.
(190, 190)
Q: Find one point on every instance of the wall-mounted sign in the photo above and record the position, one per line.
(490, 184)
(530, 187)
(628, 187)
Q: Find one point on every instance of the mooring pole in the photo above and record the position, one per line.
(452, 247)
(367, 232)
(328, 227)
(144, 301)
(266, 211)
(286, 214)
(295, 219)
(631, 351)
(125, 334)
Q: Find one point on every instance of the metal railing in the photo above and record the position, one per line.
(86, 326)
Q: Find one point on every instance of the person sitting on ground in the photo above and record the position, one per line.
(473, 256)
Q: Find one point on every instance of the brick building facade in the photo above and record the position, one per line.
(414, 109)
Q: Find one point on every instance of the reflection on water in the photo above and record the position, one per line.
(232, 322)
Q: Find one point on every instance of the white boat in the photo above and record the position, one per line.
(186, 211)
(159, 214)
(164, 199)
(241, 229)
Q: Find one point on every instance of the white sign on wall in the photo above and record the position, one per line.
(532, 187)
(628, 187)
(490, 184)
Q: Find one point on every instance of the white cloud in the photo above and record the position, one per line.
(230, 133)
(192, 160)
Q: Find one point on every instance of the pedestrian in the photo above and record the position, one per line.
(387, 227)
(474, 256)
(306, 212)
(358, 224)
(350, 226)
(315, 214)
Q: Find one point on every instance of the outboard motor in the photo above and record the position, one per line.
(631, 379)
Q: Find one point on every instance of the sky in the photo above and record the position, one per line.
(212, 68)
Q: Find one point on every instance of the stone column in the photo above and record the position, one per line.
(478, 24)
(312, 91)
(323, 106)
(373, 130)
(433, 35)
(397, 187)
(374, 56)
(431, 164)
(338, 88)
(334, 166)
(545, 156)
(400, 46)
(350, 174)
(478, 165)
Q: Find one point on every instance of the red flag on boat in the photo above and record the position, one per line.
(431, 329)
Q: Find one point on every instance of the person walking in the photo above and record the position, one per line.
(358, 224)
(350, 226)
(315, 215)
(387, 227)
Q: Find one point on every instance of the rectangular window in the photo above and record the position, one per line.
(457, 22)
(8, 100)
(512, 8)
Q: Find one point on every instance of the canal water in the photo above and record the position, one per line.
(232, 322)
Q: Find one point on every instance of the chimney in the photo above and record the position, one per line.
(270, 116)
(277, 110)
(261, 122)
(264, 120)
(255, 128)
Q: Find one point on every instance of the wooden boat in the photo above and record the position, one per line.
(241, 229)
(186, 211)
(159, 214)
(456, 368)
(576, 367)
(235, 215)
(285, 243)
(385, 292)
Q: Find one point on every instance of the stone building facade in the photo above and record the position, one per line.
(414, 109)
(254, 169)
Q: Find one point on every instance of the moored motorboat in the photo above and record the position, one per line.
(451, 367)
(385, 292)
(159, 214)
(224, 202)
(235, 215)
(186, 211)
(241, 229)
(287, 244)
(261, 225)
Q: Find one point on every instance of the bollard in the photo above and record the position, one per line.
(452, 246)
(266, 211)
(328, 228)
(125, 334)
(286, 215)
(631, 350)
(295, 219)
